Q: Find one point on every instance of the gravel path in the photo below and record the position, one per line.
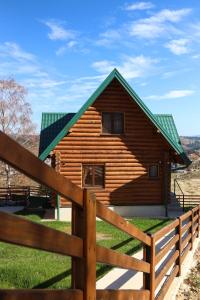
(190, 288)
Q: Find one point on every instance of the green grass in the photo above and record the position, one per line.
(21, 267)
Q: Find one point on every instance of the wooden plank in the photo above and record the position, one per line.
(111, 257)
(195, 235)
(165, 230)
(167, 266)
(185, 252)
(192, 229)
(20, 231)
(113, 218)
(186, 227)
(186, 240)
(21, 159)
(166, 248)
(167, 284)
(28, 294)
(195, 227)
(78, 229)
(84, 225)
(122, 295)
(179, 247)
(195, 218)
(198, 220)
(186, 215)
(152, 268)
(89, 245)
(195, 209)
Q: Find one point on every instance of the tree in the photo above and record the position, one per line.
(15, 118)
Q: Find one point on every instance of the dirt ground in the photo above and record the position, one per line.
(190, 288)
(189, 183)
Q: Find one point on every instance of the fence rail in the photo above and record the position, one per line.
(188, 200)
(15, 195)
(171, 243)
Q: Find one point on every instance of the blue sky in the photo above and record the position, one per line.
(62, 50)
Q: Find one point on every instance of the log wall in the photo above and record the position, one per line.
(126, 157)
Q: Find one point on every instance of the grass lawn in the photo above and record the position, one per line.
(21, 267)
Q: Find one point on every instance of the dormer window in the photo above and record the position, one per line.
(112, 123)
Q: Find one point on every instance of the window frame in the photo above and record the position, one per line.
(112, 122)
(93, 176)
(158, 172)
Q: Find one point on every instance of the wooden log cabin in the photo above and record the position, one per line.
(115, 146)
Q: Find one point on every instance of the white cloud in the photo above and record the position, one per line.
(63, 49)
(103, 66)
(174, 94)
(108, 37)
(58, 32)
(158, 24)
(179, 46)
(131, 67)
(139, 6)
(71, 44)
(14, 51)
(16, 61)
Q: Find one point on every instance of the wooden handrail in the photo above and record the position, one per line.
(166, 286)
(29, 294)
(160, 233)
(167, 266)
(176, 249)
(23, 160)
(166, 248)
(111, 257)
(30, 234)
(122, 294)
(116, 220)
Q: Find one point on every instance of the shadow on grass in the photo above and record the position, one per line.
(106, 268)
(30, 212)
(103, 269)
(53, 280)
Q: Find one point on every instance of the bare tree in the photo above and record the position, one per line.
(15, 118)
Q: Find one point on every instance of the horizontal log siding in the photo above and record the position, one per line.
(126, 157)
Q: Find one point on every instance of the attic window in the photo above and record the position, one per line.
(112, 122)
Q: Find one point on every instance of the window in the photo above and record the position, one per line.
(93, 176)
(153, 171)
(112, 123)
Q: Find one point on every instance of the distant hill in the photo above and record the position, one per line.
(191, 144)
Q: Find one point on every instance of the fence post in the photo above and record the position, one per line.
(192, 229)
(149, 279)
(198, 220)
(28, 193)
(174, 187)
(179, 245)
(84, 226)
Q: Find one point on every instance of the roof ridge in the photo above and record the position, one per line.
(166, 115)
(53, 113)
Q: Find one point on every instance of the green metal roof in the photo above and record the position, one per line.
(52, 124)
(166, 121)
(53, 139)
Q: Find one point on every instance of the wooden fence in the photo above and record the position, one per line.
(188, 201)
(20, 193)
(81, 245)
